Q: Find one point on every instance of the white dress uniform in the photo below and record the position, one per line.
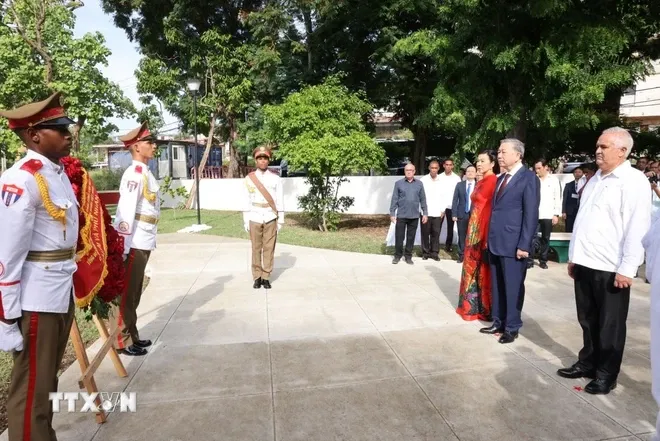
(651, 242)
(138, 209)
(257, 209)
(27, 284)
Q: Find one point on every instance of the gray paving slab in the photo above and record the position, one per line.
(350, 347)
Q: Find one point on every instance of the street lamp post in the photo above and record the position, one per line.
(193, 86)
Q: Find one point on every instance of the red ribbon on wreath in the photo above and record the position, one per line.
(101, 271)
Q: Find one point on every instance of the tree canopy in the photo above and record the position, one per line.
(40, 55)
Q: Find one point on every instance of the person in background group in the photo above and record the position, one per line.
(461, 206)
(137, 216)
(604, 254)
(642, 163)
(449, 180)
(408, 198)
(431, 229)
(653, 176)
(38, 238)
(571, 200)
(549, 210)
(589, 170)
(513, 223)
(474, 299)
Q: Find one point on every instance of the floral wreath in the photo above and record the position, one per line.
(114, 281)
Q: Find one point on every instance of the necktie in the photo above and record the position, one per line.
(506, 180)
(467, 203)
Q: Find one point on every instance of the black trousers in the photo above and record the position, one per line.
(545, 227)
(431, 236)
(462, 226)
(407, 228)
(450, 228)
(570, 222)
(602, 311)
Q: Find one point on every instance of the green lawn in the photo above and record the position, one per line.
(366, 236)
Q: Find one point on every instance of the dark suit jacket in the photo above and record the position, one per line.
(460, 200)
(569, 204)
(515, 214)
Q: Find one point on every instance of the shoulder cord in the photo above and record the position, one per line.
(148, 195)
(56, 212)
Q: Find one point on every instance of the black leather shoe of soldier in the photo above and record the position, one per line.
(133, 351)
(257, 283)
(266, 284)
(142, 343)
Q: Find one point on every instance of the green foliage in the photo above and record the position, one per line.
(106, 179)
(39, 55)
(177, 193)
(321, 130)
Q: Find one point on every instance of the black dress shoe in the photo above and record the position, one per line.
(576, 371)
(491, 330)
(543, 265)
(508, 337)
(396, 260)
(257, 283)
(600, 386)
(409, 260)
(133, 351)
(425, 257)
(266, 284)
(142, 343)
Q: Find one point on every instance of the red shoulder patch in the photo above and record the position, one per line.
(138, 169)
(32, 166)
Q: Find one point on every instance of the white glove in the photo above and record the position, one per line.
(246, 225)
(279, 226)
(10, 337)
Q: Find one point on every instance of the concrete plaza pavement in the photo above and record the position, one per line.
(350, 347)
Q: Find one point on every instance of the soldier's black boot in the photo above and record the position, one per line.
(266, 284)
(257, 283)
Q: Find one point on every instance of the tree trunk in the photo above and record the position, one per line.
(209, 142)
(233, 171)
(307, 18)
(519, 131)
(419, 154)
(76, 133)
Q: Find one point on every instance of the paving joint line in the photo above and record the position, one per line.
(419, 386)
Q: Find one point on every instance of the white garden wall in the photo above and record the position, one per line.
(372, 193)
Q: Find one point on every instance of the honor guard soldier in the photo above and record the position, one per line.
(263, 216)
(38, 238)
(136, 220)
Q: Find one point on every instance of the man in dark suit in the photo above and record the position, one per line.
(513, 222)
(571, 200)
(461, 207)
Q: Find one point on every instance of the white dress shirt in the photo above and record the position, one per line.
(256, 207)
(27, 226)
(511, 174)
(135, 182)
(433, 189)
(469, 189)
(580, 183)
(614, 215)
(550, 204)
(445, 194)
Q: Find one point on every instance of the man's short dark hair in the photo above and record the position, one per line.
(470, 166)
(543, 161)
